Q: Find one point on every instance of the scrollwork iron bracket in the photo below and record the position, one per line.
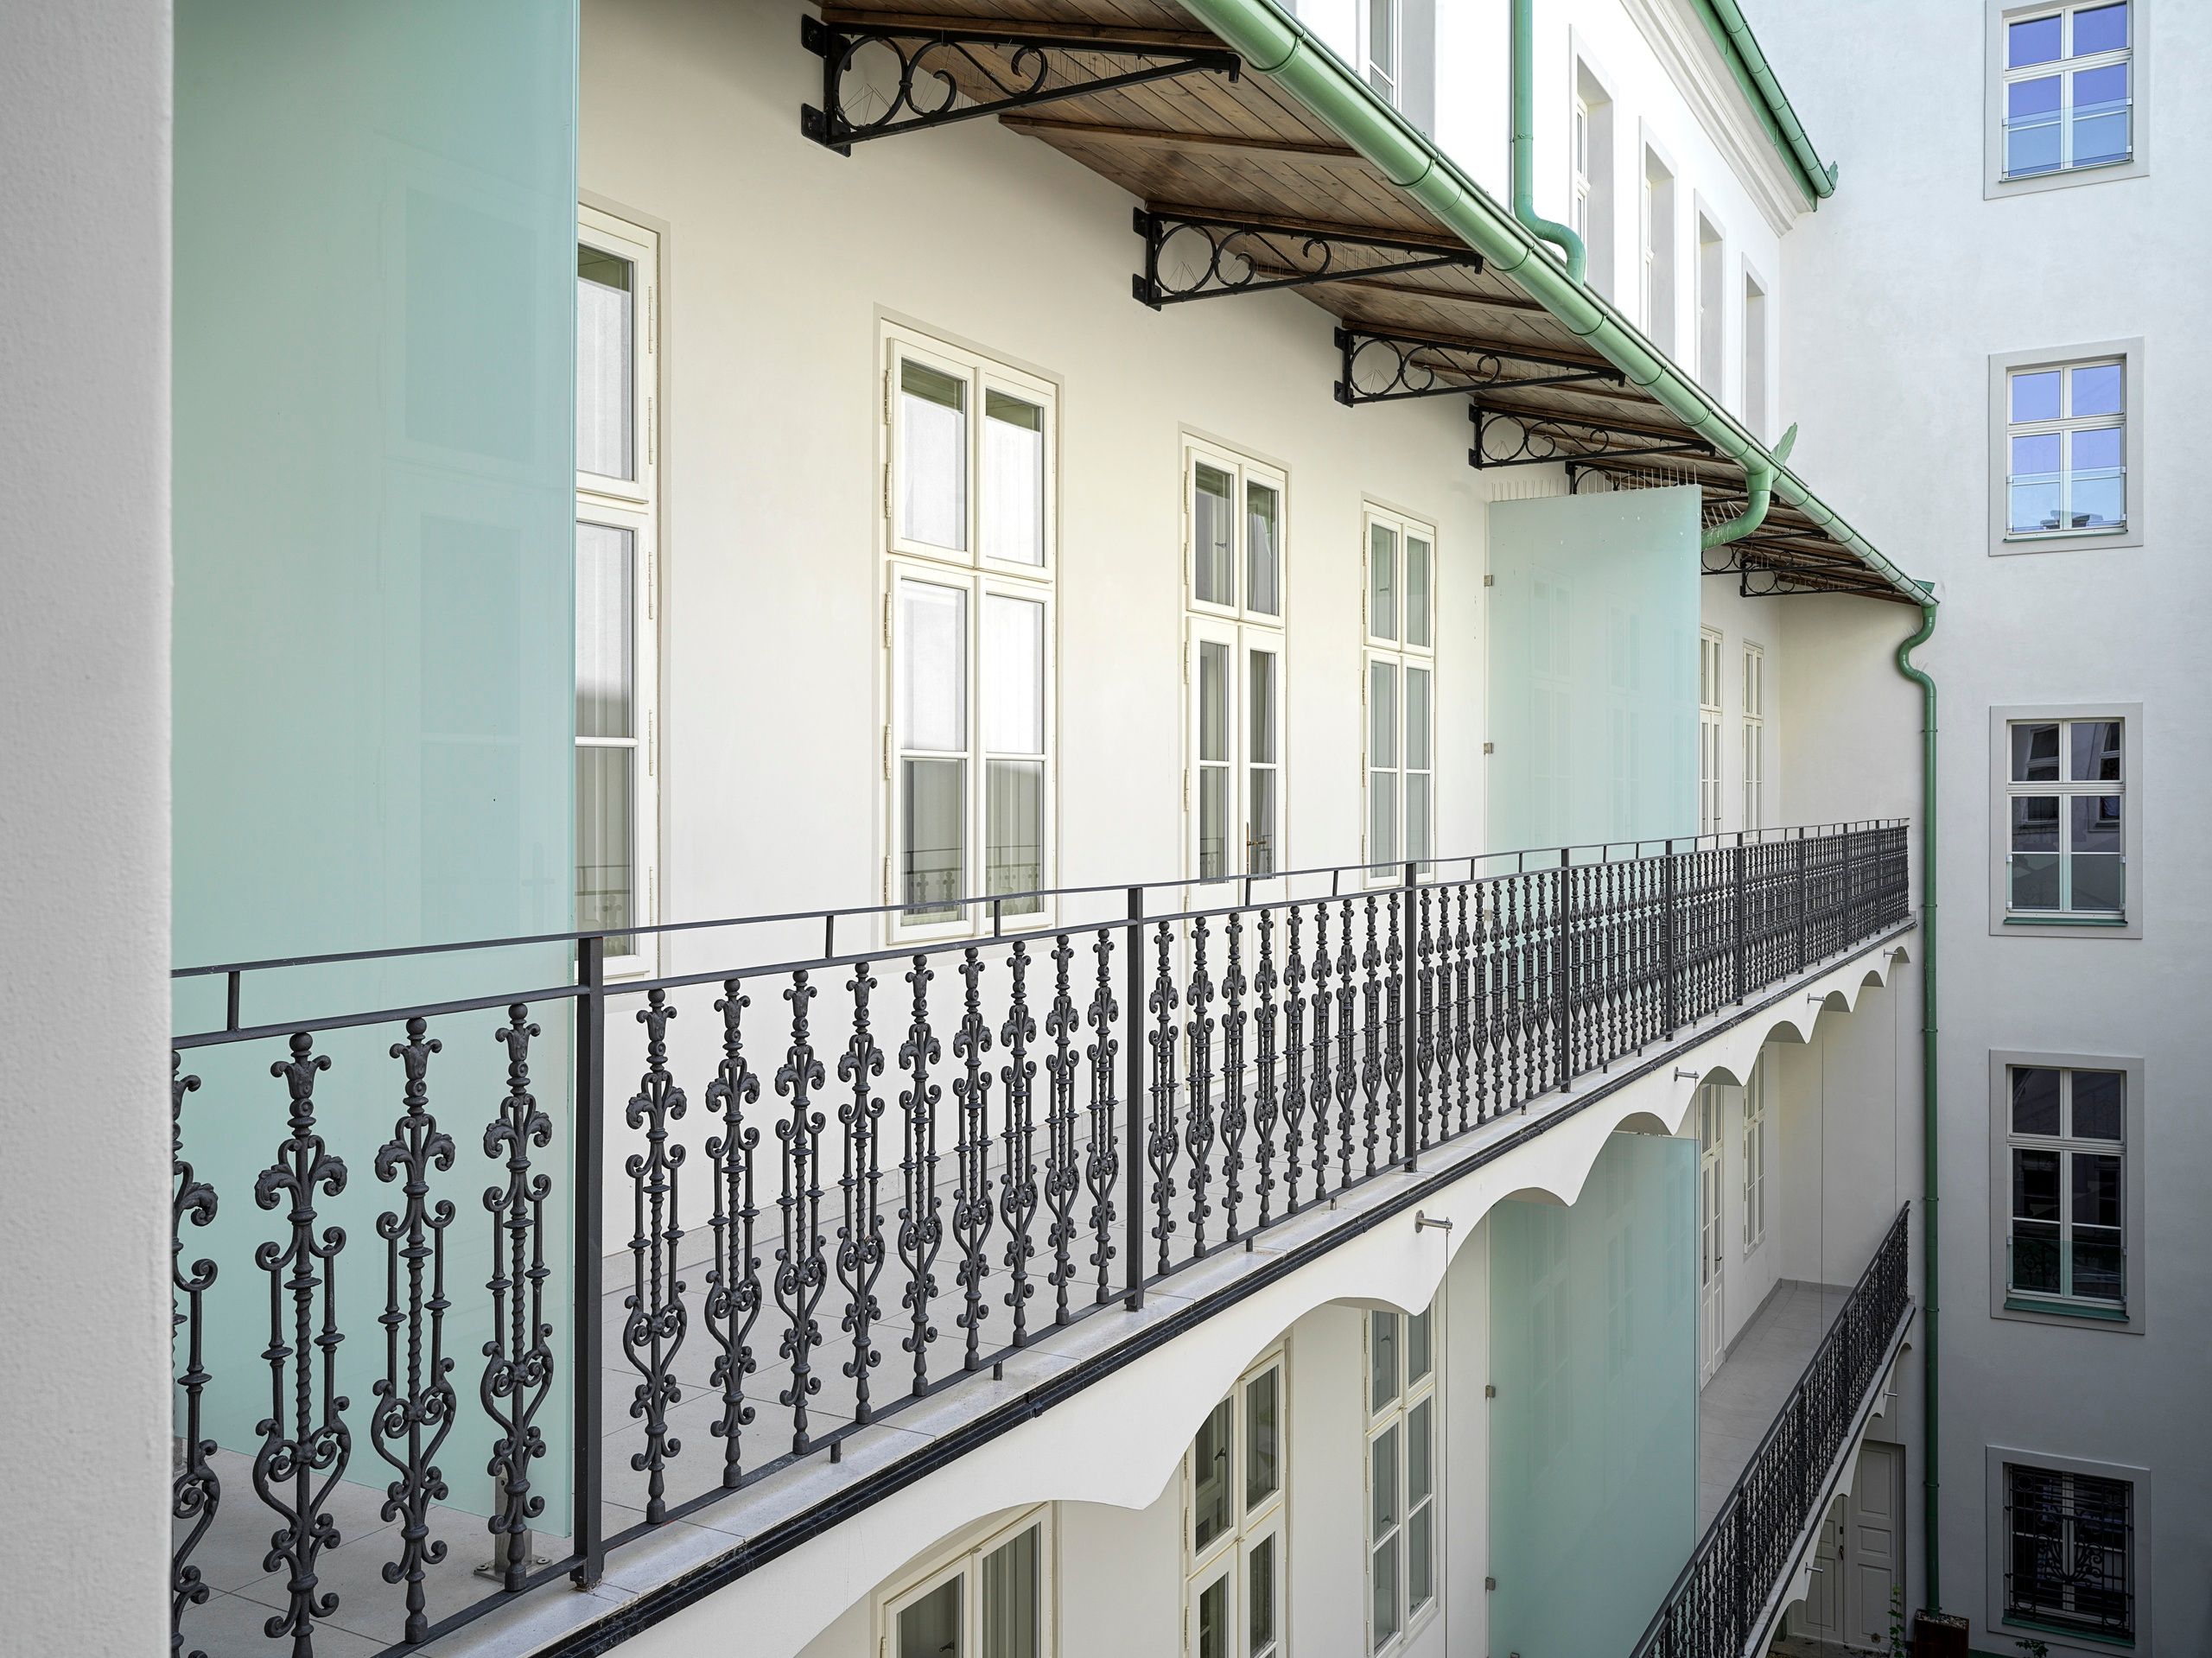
(1507, 438)
(1236, 256)
(1389, 368)
(944, 75)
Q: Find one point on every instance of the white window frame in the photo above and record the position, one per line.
(1392, 1417)
(1757, 349)
(1253, 1525)
(965, 1559)
(1659, 224)
(2004, 919)
(1711, 1231)
(1996, 1616)
(1999, 16)
(1384, 77)
(2002, 368)
(1757, 1144)
(1754, 688)
(1593, 112)
(1386, 645)
(1711, 682)
(632, 507)
(1712, 297)
(2131, 1315)
(1245, 633)
(981, 576)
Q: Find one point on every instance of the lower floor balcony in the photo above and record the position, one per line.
(497, 1280)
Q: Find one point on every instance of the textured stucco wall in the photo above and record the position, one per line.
(84, 822)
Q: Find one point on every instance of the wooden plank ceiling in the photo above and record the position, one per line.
(1203, 145)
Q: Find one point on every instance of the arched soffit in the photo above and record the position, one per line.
(1643, 1123)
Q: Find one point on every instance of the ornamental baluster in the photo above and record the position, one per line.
(921, 1224)
(860, 1227)
(1102, 1162)
(1160, 1142)
(518, 1358)
(1018, 1175)
(195, 1489)
(971, 1201)
(1348, 992)
(1266, 1102)
(1294, 1060)
(653, 1329)
(1063, 1175)
(1198, 1125)
(734, 1298)
(1372, 1000)
(1233, 1115)
(802, 1272)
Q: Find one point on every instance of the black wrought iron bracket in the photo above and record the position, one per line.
(1505, 437)
(919, 83)
(1389, 368)
(1209, 258)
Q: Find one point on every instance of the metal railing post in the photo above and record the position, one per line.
(1670, 909)
(588, 1207)
(1742, 893)
(1804, 892)
(1409, 1003)
(1563, 970)
(1132, 1128)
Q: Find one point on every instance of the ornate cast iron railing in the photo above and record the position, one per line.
(848, 1175)
(1718, 1603)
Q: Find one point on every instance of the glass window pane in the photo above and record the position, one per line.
(2101, 28)
(2035, 41)
(2100, 1265)
(1383, 1571)
(1417, 718)
(2032, 506)
(1260, 1579)
(1011, 1625)
(1382, 817)
(2099, 134)
(2097, 1097)
(2025, 100)
(2034, 753)
(2035, 881)
(2035, 822)
(2036, 455)
(1013, 478)
(1420, 1452)
(2096, 1189)
(2099, 884)
(2035, 1184)
(1382, 1359)
(1013, 675)
(605, 675)
(933, 837)
(1420, 814)
(933, 678)
(1418, 585)
(2097, 450)
(1262, 548)
(1262, 1438)
(2035, 1257)
(1213, 535)
(2035, 1100)
(606, 868)
(1382, 1481)
(933, 455)
(2031, 146)
(1266, 811)
(605, 375)
(1211, 1510)
(1418, 1357)
(2035, 394)
(2096, 91)
(2098, 388)
(2100, 501)
(930, 1627)
(2097, 826)
(1382, 50)
(1261, 707)
(1213, 822)
(1213, 1619)
(1421, 1558)
(1382, 581)
(1381, 714)
(2095, 750)
(1213, 700)
(1013, 832)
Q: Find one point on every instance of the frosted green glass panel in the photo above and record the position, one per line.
(1594, 668)
(374, 666)
(1593, 1434)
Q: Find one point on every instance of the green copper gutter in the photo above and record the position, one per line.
(1739, 50)
(1282, 48)
(1930, 1532)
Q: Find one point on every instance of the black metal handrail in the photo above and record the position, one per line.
(1715, 1605)
(1056, 1120)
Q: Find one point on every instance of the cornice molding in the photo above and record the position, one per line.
(1684, 47)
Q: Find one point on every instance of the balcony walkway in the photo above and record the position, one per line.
(1754, 1382)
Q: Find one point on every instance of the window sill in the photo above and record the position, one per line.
(2086, 170)
(2061, 537)
(2015, 1303)
(2058, 919)
(2066, 1632)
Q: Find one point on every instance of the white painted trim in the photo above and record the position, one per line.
(1685, 49)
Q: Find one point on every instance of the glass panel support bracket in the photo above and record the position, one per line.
(882, 79)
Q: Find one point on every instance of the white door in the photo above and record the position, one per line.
(1235, 748)
(1712, 1324)
(1822, 1618)
(1859, 1560)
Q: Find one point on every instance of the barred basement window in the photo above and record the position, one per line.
(2069, 1561)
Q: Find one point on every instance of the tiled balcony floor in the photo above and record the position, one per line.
(1738, 1405)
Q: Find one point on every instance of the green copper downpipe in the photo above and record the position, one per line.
(1279, 46)
(1524, 145)
(1931, 1537)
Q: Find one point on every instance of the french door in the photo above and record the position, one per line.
(1712, 1256)
(1234, 787)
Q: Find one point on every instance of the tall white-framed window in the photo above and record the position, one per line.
(1712, 1253)
(970, 503)
(1658, 261)
(1754, 736)
(1382, 48)
(1398, 693)
(1235, 1547)
(1709, 683)
(2066, 458)
(2068, 75)
(992, 1597)
(1755, 1155)
(1755, 349)
(1404, 1464)
(1235, 517)
(2066, 812)
(617, 593)
(2067, 1154)
(1593, 176)
(1711, 304)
